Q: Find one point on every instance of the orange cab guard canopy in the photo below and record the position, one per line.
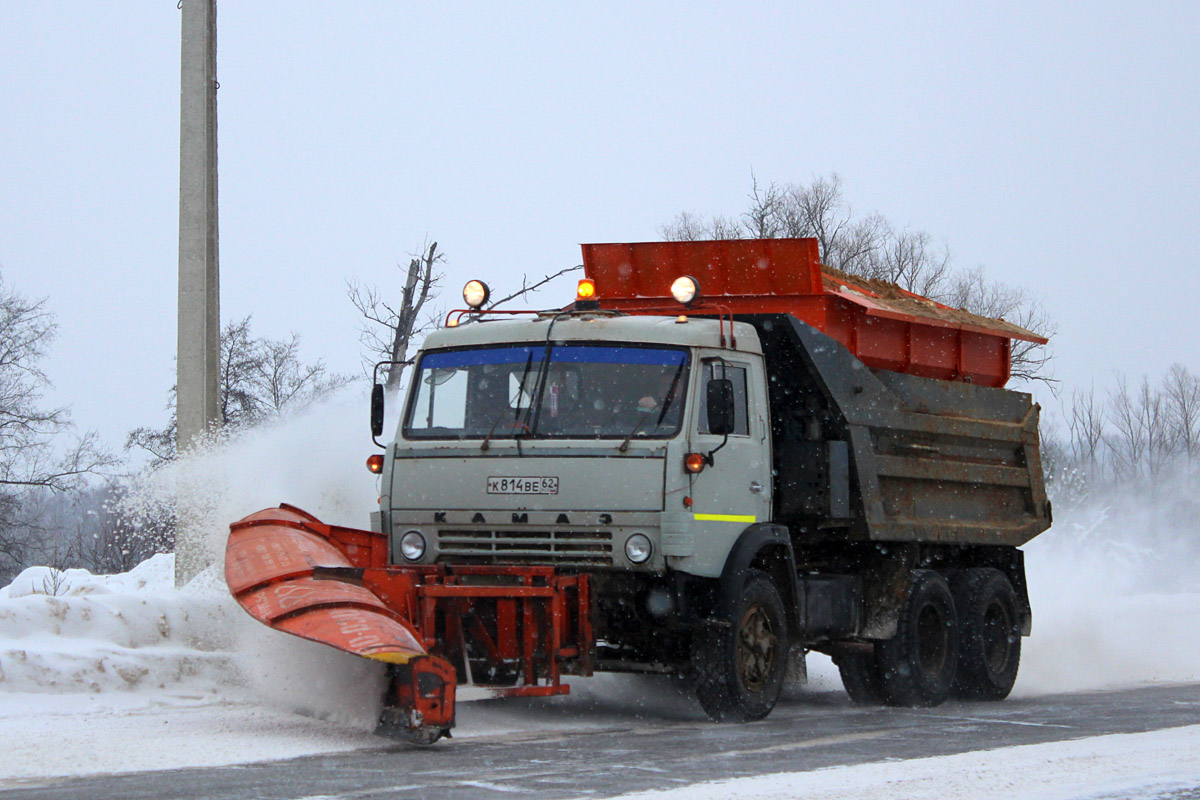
(883, 325)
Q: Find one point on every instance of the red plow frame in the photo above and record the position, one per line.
(514, 630)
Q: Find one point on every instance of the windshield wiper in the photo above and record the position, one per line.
(517, 415)
(670, 398)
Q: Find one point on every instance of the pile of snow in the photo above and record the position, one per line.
(72, 631)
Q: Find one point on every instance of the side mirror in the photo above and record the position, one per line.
(377, 410)
(719, 402)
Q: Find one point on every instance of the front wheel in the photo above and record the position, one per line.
(740, 666)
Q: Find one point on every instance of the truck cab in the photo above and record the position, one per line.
(582, 442)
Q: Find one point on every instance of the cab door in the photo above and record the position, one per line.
(734, 491)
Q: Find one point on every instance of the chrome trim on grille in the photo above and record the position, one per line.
(527, 546)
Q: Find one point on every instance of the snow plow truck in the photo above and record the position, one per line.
(721, 456)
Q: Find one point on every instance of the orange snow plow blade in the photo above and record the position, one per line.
(515, 630)
(295, 574)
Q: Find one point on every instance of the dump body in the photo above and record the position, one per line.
(898, 457)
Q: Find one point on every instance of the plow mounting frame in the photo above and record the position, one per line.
(514, 630)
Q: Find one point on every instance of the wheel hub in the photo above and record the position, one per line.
(997, 633)
(932, 640)
(755, 649)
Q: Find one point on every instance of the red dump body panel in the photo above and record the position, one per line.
(883, 325)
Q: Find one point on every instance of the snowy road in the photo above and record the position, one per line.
(815, 732)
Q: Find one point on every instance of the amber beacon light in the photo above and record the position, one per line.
(375, 463)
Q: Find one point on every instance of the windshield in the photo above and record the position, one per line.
(567, 391)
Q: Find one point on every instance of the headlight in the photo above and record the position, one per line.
(475, 294)
(638, 548)
(685, 289)
(412, 545)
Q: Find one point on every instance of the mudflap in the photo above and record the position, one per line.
(510, 629)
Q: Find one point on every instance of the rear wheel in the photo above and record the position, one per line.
(740, 667)
(860, 676)
(917, 665)
(989, 650)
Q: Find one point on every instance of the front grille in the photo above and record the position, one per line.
(526, 547)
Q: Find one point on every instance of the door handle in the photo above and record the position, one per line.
(756, 487)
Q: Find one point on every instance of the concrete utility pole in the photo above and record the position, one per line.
(197, 398)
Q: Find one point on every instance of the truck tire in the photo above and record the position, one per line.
(917, 665)
(860, 676)
(989, 646)
(740, 666)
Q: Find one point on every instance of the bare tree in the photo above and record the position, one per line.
(1139, 430)
(1086, 427)
(529, 288)
(687, 226)
(856, 250)
(871, 247)
(690, 227)
(111, 541)
(910, 260)
(784, 211)
(1152, 405)
(1127, 442)
(239, 360)
(820, 211)
(763, 220)
(34, 459)
(389, 330)
(973, 291)
(1181, 395)
(282, 382)
(867, 246)
(261, 379)
(158, 442)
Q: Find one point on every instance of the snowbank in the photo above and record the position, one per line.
(72, 631)
(1124, 765)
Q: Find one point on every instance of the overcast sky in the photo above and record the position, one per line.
(1057, 144)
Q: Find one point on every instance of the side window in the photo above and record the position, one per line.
(441, 399)
(737, 376)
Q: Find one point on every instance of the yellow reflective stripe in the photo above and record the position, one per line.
(724, 517)
(392, 657)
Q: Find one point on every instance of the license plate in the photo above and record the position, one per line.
(523, 485)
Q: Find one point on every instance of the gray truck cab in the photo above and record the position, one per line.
(565, 440)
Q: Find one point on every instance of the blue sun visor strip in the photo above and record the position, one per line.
(584, 354)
